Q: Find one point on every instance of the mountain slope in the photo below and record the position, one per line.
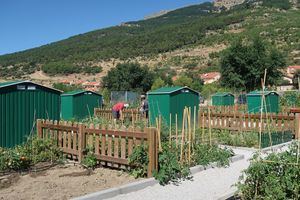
(186, 27)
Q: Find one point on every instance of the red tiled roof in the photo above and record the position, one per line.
(294, 67)
(210, 75)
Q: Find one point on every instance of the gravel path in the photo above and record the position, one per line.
(208, 184)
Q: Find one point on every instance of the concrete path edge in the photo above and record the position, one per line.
(139, 185)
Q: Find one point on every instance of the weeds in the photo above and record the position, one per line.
(89, 160)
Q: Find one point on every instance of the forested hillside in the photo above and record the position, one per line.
(191, 26)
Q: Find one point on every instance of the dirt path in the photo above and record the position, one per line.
(63, 182)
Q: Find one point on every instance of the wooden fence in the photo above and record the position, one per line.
(132, 114)
(237, 109)
(111, 147)
(247, 122)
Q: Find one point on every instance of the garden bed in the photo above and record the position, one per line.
(60, 182)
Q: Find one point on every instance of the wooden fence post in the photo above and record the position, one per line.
(152, 150)
(81, 141)
(39, 128)
(297, 126)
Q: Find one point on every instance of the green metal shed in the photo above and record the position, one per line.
(223, 99)
(166, 100)
(79, 104)
(21, 103)
(254, 101)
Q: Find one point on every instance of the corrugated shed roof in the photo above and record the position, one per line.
(168, 90)
(11, 83)
(77, 92)
(259, 93)
(5, 84)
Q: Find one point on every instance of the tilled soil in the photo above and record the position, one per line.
(60, 182)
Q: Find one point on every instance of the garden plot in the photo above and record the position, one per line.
(61, 182)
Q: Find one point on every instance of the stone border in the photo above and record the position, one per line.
(275, 147)
(139, 185)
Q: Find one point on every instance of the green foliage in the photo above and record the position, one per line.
(65, 68)
(170, 169)
(273, 177)
(35, 150)
(205, 154)
(129, 77)
(89, 160)
(226, 137)
(243, 64)
(158, 83)
(183, 80)
(106, 95)
(165, 73)
(66, 88)
(290, 99)
(281, 4)
(139, 161)
(212, 88)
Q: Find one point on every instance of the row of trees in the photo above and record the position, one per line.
(242, 68)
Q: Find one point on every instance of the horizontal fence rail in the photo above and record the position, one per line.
(132, 114)
(111, 147)
(246, 122)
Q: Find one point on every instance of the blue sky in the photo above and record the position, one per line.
(31, 23)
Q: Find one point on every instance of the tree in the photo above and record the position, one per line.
(184, 80)
(197, 83)
(65, 88)
(129, 76)
(243, 65)
(296, 79)
(212, 88)
(158, 83)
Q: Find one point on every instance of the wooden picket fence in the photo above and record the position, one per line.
(111, 147)
(237, 109)
(132, 114)
(246, 122)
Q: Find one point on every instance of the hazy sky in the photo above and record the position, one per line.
(30, 23)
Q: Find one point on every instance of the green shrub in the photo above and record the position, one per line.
(170, 169)
(273, 177)
(205, 154)
(89, 160)
(139, 161)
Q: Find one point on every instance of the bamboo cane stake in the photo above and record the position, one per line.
(170, 133)
(182, 136)
(194, 131)
(264, 99)
(132, 118)
(158, 133)
(190, 134)
(176, 127)
(160, 147)
(209, 126)
(202, 126)
(261, 116)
